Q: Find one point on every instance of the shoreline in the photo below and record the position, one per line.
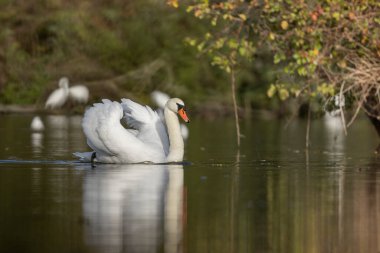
(208, 112)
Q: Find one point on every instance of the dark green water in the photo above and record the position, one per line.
(271, 196)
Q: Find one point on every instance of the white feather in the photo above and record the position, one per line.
(83, 156)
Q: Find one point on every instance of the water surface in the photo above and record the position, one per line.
(271, 196)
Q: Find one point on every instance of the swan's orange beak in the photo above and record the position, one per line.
(183, 115)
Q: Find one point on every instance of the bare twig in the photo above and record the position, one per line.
(308, 127)
(233, 89)
(341, 109)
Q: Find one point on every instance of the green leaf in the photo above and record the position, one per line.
(233, 44)
(271, 91)
(336, 15)
(243, 17)
(283, 93)
(279, 57)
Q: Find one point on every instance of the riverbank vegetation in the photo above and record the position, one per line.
(280, 50)
(117, 48)
(328, 51)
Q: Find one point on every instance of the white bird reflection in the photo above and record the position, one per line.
(335, 132)
(134, 208)
(57, 121)
(36, 139)
(57, 134)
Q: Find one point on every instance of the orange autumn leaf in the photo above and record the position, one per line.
(173, 3)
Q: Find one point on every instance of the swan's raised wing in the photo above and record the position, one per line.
(151, 129)
(137, 115)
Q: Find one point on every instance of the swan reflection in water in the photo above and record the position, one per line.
(134, 208)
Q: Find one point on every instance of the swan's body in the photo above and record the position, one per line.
(37, 124)
(59, 96)
(79, 94)
(150, 140)
(160, 98)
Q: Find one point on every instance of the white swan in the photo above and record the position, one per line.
(149, 140)
(59, 96)
(160, 98)
(79, 94)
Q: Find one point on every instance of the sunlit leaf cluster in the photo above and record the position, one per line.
(226, 42)
(327, 46)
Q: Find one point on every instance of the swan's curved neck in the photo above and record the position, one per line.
(176, 148)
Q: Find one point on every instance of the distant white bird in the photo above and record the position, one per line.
(37, 124)
(79, 94)
(160, 98)
(184, 131)
(59, 96)
(332, 119)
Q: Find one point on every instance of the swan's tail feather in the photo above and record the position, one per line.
(96, 119)
(83, 156)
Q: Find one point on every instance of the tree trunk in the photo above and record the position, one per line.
(3, 70)
(375, 123)
(372, 107)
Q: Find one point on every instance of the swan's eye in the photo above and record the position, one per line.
(180, 106)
